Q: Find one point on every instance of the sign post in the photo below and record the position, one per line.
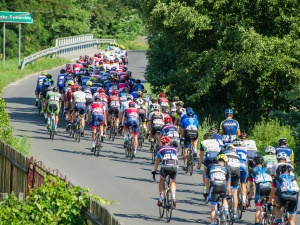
(14, 17)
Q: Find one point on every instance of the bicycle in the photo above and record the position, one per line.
(221, 216)
(168, 201)
(39, 105)
(77, 128)
(129, 150)
(154, 146)
(240, 203)
(265, 214)
(112, 133)
(190, 160)
(51, 128)
(99, 141)
(285, 216)
(141, 136)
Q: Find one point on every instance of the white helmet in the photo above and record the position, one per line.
(281, 155)
(270, 149)
(156, 106)
(129, 97)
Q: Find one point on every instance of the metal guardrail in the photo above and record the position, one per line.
(64, 49)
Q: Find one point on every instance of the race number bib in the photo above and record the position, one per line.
(115, 103)
(165, 104)
(158, 121)
(54, 98)
(263, 178)
(218, 176)
(233, 162)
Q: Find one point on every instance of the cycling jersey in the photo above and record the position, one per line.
(54, 99)
(46, 83)
(84, 79)
(61, 81)
(114, 105)
(169, 161)
(141, 105)
(190, 126)
(234, 165)
(132, 115)
(218, 138)
(98, 110)
(39, 83)
(171, 131)
(288, 151)
(242, 153)
(211, 150)
(80, 102)
(157, 119)
(276, 168)
(164, 103)
(138, 87)
(229, 128)
(269, 161)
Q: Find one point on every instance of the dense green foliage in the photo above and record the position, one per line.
(55, 19)
(52, 203)
(219, 54)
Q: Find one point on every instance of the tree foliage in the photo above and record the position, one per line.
(55, 19)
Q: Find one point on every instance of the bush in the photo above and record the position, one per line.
(205, 126)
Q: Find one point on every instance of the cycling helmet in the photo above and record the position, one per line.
(156, 107)
(165, 139)
(282, 141)
(180, 103)
(222, 157)
(270, 149)
(286, 167)
(237, 142)
(189, 109)
(62, 71)
(281, 155)
(101, 90)
(139, 94)
(190, 113)
(55, 89)
(213, 130)
(207, 136)
(70, 82)
(138, 81)
(168, 119)
(228, 112)
(44, 73)
(131, 104)
(161, 95)
(49, 76)
(115, 92)
(175, 98)
(166, 111)
(129, 97)
(89, 83)
(231, 148)
(258, 159)
(243, 136)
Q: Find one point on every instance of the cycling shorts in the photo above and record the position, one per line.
(215, 190)
(55, 107)
(80, 107)
(189, 136)
(38, 89)
(134, 122)
(209, 158)
(114, 110)
(142, 115)
(235, 177)
(282, 199)
(170, 170)
(262, 190)
(243, 173)
(97, 118)
(44, 93)
(60, 88)
(154, 129)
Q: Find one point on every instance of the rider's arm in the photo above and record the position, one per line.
(221, 129)
(292, 158)
(207, 180)
(251, 187)
(238, 131)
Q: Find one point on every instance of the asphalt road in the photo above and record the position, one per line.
(110, 175)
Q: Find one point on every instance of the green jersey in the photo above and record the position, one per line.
(53, 97)
(270, 160)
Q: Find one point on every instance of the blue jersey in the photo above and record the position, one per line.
(190, 124)
(39, 83)
(219, 139)
(84, 79)
(138, 87)
(166, 152)
(170, 130)
(242, 153)
(123, 96)
(229, 128)
(61, 80)
(185, 116)
(134, 94)
(288, 151)
(262, 178)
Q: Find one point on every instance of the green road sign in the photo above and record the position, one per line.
(15, 17)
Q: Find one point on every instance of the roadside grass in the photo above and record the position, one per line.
(10, 72)
(137, 44)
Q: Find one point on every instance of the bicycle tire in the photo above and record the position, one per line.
(231, 212)
(161, 209)
(79, 133)
(53, 129)
(98, 148)
(240, 204)
(153, 154)
(169, 205)
(114, 130)
(131, 149)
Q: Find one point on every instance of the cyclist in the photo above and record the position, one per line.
(167, 155)
(262, 178)
(189, 131)
(54, 100)
(138, 86)
(171, 131)
(281, 160)
(287, 189)
(180, 111)
(68, 103)
(270, 157)
(173, 107)
(98, 116)
(141, 105)
(243, 136)
(229, 128)
(242, 153)
(61, 78)
(39, 84)
(163, 101)
(216, 136)
(156, 121)
(283, 147)
(217, 182)
(114, 108)
(79, 106)
(47, 82)
(131, 118)
(234, 164)
(154, 100)
(209, 148)
(88, 98)
(251, 151)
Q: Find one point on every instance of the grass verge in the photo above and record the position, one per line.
(137, 44)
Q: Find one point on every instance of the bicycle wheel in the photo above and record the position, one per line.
(190, 163)
(169, 205)
(240, 204)
(131, 148)
(153, 153)
(79, 133)
(52, 128)
(229, 217)
(98, 146)
(113, 130)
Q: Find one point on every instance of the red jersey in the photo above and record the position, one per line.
(69, 95)
(122, 85)
(114, 101)
(132, 112)
(98, 108)
(164, 102)
(76, 67)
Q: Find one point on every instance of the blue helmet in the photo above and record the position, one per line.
(228, 112)
(190, 113)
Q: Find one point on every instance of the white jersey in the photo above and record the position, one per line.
(79, 97)
(275, 166)
(249, 145)
(211, 145)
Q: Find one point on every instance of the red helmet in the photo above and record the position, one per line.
(168, 119)
(165, 139)
(115, 92)
(101, 90)
(161, 95)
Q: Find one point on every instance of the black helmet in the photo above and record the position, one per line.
(237, 142)
(213, 130)
(286, 167)
(55, 89)
(258, 160)
(207, 136)
(49, 76)
(138, 81)
(139, 94)
(129, 73)
(62, 71)
(282, 141)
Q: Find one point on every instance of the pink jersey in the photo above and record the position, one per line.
(132, 112)
(98, 108)
(122, 85)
